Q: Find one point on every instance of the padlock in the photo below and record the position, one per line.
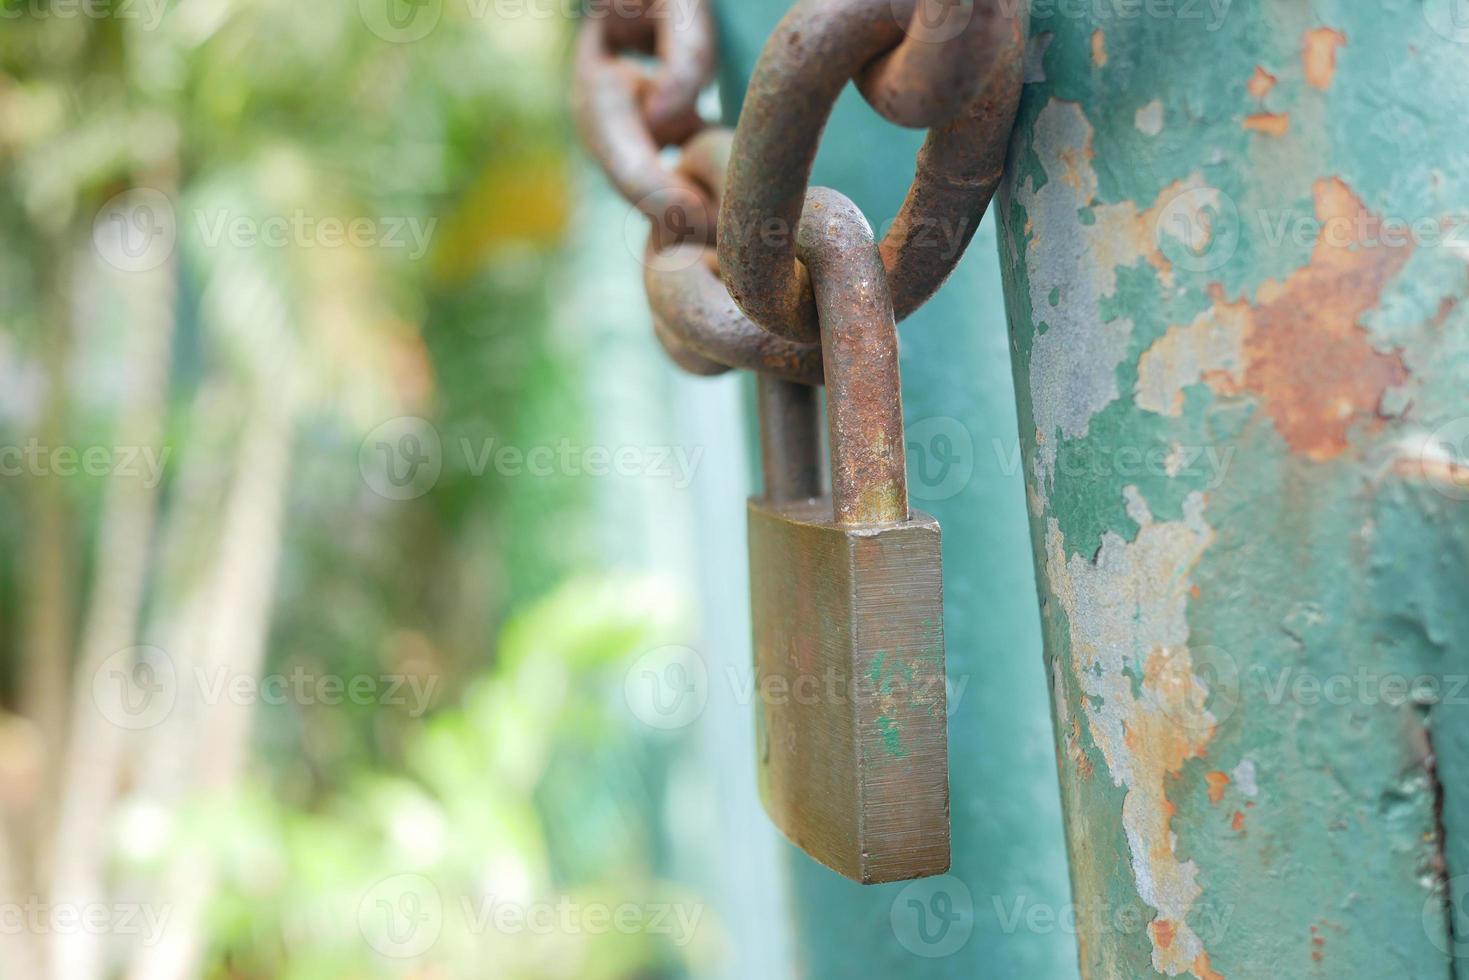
(846, 591)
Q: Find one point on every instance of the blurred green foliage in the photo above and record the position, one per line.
(524, 780)
(464, 826)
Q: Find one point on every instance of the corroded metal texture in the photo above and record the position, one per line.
(790, 439)
(948, 59)
(859, 345)
(851, 719)
(698, 317)
(815, 51)
(1236, 261)
(697, 320)
(625, 116)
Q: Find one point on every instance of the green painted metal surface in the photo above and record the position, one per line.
(1235, 247)
(1003, 910)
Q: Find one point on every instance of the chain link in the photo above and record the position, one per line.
(724, 280)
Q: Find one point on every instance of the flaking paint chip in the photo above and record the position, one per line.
(1149, 118)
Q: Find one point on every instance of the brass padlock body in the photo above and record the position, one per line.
(847, 590)
(851, 713)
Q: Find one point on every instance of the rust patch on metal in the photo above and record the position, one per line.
(1260, 83)
(1217, 782)
(1446, 307)
(1134, 596)
(1202, 969)
(1299, 346)
(1238, 823)
(1310, 359)
(1318, 55)
(1070, 729)
(1099, 48)
(1268, 123)
(1125, 234)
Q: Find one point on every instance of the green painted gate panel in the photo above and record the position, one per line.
(1002, 911)
(1236, 248)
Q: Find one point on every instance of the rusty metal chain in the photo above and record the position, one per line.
(723, 267)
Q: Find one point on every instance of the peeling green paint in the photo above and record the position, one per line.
(1245, 430)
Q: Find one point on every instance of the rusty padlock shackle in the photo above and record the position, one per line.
(859, 344)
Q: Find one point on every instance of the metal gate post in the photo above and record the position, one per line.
(1001, 911)
(1235, 240)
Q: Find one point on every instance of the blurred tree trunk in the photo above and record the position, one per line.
(223, 633)
(49, 605)
(96, 746)
(50, 602)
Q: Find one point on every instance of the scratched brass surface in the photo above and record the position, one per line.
(850, 701)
